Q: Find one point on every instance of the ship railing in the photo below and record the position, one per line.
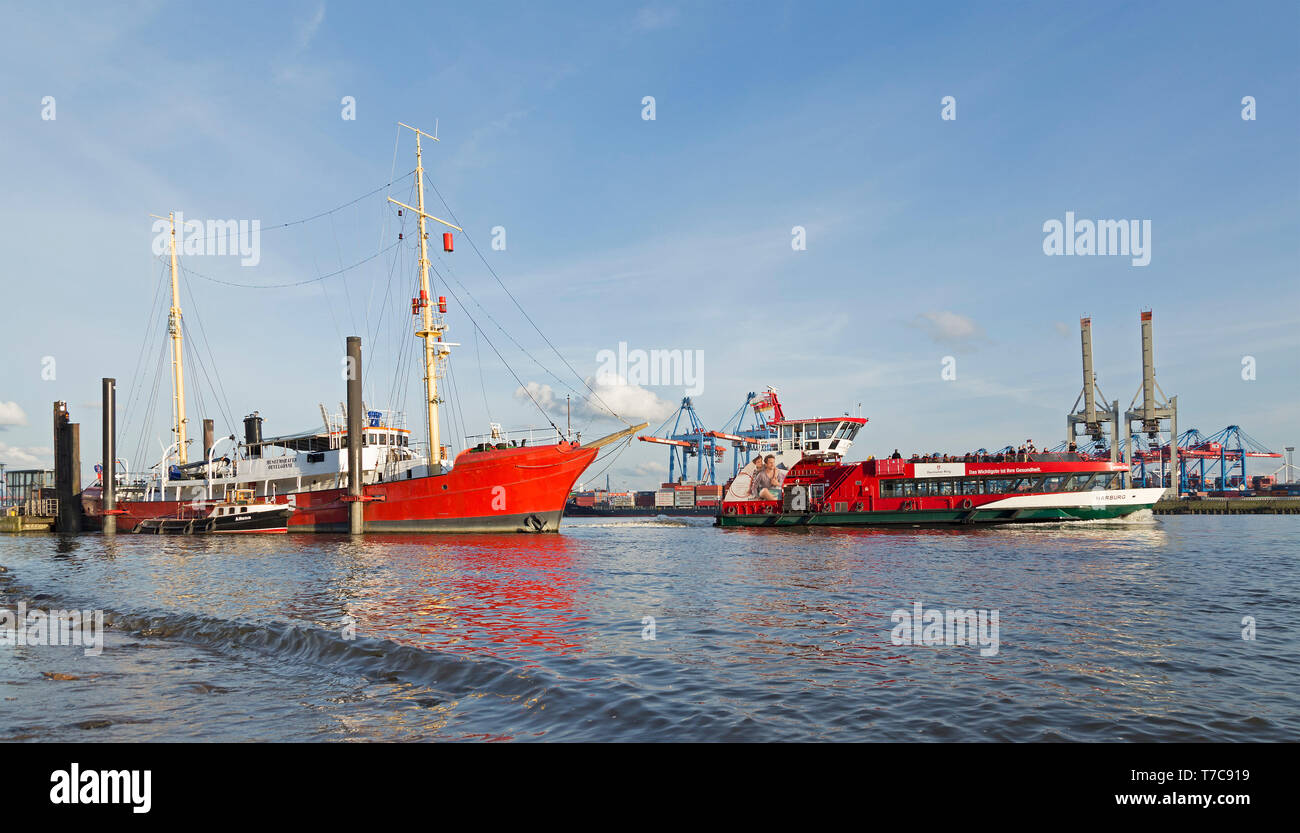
(534, 436)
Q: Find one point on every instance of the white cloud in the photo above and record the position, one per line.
(650, 18)
(1063, 329)
(609, 392)
(32, 457)
(307, 32)
(11, 414)
(950, 328)
(650, 467)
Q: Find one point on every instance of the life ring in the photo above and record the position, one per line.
(907, 505)
(967, 504)
(731, 510)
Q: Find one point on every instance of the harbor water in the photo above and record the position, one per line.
(662, 630)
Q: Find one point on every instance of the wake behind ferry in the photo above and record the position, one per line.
(499, 485)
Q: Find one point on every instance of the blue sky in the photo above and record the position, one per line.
(666, 234)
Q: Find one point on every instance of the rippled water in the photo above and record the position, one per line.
(1108, 631)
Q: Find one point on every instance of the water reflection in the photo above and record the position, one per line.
(1104, 627)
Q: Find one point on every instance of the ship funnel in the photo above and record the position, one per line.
(253, 434)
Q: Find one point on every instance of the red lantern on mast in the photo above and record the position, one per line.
(446, 241)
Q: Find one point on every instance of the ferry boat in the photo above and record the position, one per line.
(805, 482)
(499, 485)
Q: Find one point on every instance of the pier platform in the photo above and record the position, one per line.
(1229, 506)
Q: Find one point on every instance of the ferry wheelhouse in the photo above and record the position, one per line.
(805, 482)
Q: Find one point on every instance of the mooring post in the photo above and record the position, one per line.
(356, 507)
(208, 433)
(67, 470)
(110, 454)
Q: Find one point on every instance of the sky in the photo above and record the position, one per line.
(923, 235)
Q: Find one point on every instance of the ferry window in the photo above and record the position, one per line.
(1052, 483)
(243, 509)
(843, 430)
(787, 432)
(853, 431)
(908, 488)
(970, 487)
(827, 430)
(945, 487)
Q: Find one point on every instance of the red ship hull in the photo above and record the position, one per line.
(506, 490)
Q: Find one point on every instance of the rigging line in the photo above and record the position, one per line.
(506, 333)
(198, 359)
(514, 300)
(219, 390)
(612, 455)
(455, 409)
(144, 346)
(333, 210)
(329, 305)
(151, 405)
(383, 227)
(291, 283)
(392, 349)
(508, 368)
(198, 389)
(478, 361)
(347, 294)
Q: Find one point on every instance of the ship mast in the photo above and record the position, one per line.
(178, 367)
(429, 328)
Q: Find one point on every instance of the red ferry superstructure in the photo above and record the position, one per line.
(808, 484)
(500, 485)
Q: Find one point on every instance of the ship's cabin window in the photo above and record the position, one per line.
(787, 432)
(826, 430)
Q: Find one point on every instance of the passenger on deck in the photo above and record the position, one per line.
(896, 455)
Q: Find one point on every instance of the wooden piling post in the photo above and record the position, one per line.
(356, 506)
(67, 470)
(107, 477)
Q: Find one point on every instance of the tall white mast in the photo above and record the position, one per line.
(178, 366)
(429, 328)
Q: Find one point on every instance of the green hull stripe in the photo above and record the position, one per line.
(942, 516)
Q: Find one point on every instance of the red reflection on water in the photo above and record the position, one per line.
(505, 595)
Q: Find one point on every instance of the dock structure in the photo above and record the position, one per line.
(67, 469)
(1228, 506)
